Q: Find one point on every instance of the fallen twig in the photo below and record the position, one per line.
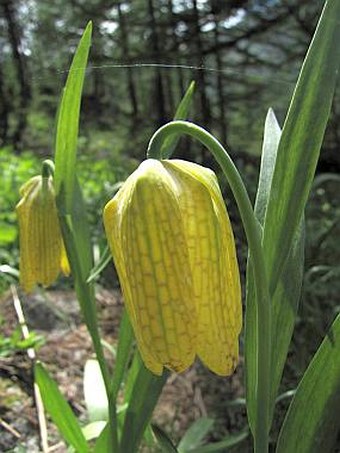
(10, 429)
(31, 354)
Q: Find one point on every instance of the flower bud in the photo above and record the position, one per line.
(174, 251)
(42, 252)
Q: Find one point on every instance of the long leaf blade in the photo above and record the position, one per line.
(195, 434)
(271, 139)
(68, 121)
(230, 441)
(144, 396)
(312, 422)
(59, 410)
(125, 342)
(301, 140)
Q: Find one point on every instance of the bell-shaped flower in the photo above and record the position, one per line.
(174, 251)
(42, 251)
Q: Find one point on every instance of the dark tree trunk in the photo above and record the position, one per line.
(4, 111)
(170, 95)
(173, 22)
(158, 79)
(14, 35)
(126, 51)
(205, 107)
(204, 102)
(220, 91)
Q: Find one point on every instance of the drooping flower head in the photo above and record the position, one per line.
(174, 251)
(42, 252)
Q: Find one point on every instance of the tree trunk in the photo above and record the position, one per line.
(158, 80)
(173, 22)
(205, 106)
(206, 117)
(14, 35)
(220, 92)
(4, 111)
(126, 51)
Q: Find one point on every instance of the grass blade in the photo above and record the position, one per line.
(59, 410)
(312, 422)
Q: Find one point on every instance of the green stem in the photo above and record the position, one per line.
(47, 168)
(253, 233)
(85, 295)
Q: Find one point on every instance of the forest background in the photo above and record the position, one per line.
(244, 56)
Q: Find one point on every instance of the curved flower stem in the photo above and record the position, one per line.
(253, 233)
(47, 168)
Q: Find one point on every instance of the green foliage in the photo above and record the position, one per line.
(67, 126)
(59, 410)
(287, 169)
(295, 163)
(316, 403)
(14, 343)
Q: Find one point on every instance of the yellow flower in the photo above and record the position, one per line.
(174, 251)
(42, 252)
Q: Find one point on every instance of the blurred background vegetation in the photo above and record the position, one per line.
(244, 56)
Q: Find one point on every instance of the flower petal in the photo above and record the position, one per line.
(213, 263)
(145, 231)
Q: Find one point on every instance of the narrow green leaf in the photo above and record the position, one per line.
(195, 434)
(223, 445)
(77, 240)
(301, 141)
(312, 422)
(59, 410)
(132, 375)
(71, 209)
(286, 297)
(68, 122)
(104, 260)
(285, 306)
(164, 441)
(124, 347)
(145, 393)
(94, 392)
(182, 112)
(271, 139)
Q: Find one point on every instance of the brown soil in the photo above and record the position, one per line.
(55, 315)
